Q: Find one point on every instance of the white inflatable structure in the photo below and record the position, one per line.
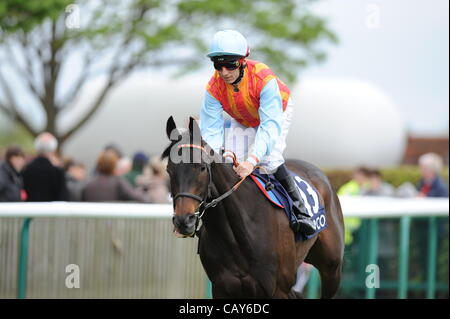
(345, 123)
(337, 122)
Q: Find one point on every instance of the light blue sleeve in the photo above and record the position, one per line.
(212, 122)
(271, 118)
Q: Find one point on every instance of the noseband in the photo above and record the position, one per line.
(204, 204)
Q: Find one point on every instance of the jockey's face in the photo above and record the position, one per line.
(229, 76)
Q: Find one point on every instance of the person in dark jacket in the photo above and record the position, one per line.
(75, 178)
(140, 160)
(105, 186)
(10, 178)
(431, 184)
(43, 179)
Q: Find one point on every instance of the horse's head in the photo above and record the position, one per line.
(189, 159)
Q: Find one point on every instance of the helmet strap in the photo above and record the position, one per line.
(241, 75)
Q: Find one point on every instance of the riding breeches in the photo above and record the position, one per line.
(240, 139)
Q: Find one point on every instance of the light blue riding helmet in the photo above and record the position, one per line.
(228, 42)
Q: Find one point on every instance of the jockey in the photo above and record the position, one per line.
(260, 110)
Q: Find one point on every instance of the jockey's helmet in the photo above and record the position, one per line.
(229, 43)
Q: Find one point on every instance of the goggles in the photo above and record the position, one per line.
(229, 65)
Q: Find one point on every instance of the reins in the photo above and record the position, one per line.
(204, 204)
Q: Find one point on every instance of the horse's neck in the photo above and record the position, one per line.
(223, 177)
(230, 219)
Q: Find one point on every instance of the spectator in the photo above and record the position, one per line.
(107, 187)
(75, 177)
(154, 181)
(140, 160)
(10, 178)
(406, 190)
(113, 147)
(378, 187)
(123, 166)
(43, 180)
(358, 184)
(431, 184)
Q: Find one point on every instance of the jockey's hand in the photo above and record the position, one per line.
(244, 169)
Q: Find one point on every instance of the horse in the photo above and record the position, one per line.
(246, 245)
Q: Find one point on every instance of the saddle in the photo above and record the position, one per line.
(278, 196)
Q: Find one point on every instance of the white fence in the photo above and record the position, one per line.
(352, 206)
(128, 250)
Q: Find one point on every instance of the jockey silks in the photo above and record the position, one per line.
(243, 105)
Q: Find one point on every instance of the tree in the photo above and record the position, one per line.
(39, 39)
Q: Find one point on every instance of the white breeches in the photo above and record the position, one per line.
(239, 139)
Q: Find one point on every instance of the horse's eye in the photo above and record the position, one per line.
(203, 168)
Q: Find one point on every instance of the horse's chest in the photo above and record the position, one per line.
(236, 270)
(235, 278)
(234, 285)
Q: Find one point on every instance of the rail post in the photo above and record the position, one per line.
(405, 223)
(373, 253)
(208, 289)
(313, 284)
(23, 260)
(432, 256)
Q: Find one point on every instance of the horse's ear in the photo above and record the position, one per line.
(170, 126)
(194, 129)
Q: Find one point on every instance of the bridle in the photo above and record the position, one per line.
(204, 204)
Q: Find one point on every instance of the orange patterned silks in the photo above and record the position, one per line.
(243, 105)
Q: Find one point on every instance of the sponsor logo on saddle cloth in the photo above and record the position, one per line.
(279, 197)
(312, 202)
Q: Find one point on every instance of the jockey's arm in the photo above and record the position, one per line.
(212, 122)
(271, 118)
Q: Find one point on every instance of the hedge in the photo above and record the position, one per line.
(393, 175)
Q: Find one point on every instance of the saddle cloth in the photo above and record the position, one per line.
(279, 197)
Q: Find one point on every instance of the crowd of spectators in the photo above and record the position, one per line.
(47, 176)
(142, 178)
(367, 181)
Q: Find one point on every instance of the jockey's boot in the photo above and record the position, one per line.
(303, 222)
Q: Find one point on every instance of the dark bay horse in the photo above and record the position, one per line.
(245, 243)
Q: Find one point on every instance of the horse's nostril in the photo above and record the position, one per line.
(190, 220)
(187, 220)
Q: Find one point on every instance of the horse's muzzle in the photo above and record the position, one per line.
(184, 225)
